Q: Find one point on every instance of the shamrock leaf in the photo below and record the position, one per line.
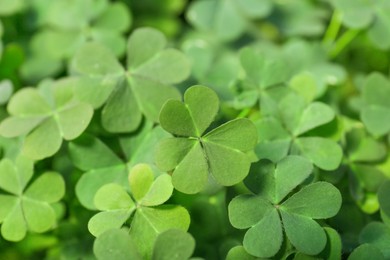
(103, 166)
(268, 213)
(6, 90)
(373, 15)
(383, 195)
(141, 90)
(284, 131)
(149, 216)
(377, 234)
(375, 112)
(27, 209)
(46, 115)
(173, 244)
(192, 155)
(366, 251)
(226, 19)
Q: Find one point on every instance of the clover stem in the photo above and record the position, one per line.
(333, 28)
(244, 113)
(342, 42)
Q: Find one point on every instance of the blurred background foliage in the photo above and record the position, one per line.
(327, 47)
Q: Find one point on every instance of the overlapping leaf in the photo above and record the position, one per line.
(192, 154)
(141, 89)
(376, 111)
(27, 209)
(268, 213)
(47, 115)
(282, 132)
(149, 216)
(227, 19)
(103, 166)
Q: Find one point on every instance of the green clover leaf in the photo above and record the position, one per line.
(173, 244)
(192, 154)
(376, 110)
(383, 197)
(366, 251)
(6, 91)
(27, 209)
(141, 90)
(103, 166)
(268, 213)
(377, 234)
(284, 132)
(47, 115)
(149, 216)
(226, 19)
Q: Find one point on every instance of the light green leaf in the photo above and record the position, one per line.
(49, 187)
(316, 114)
(39, 216)
(173, 244)
(88, 152)
(376, 119)
(289, 173)
(112, 197)
(6, 89)
(160, 191)
(148, 223)
(333, 249)
(257, 240)
(319, 200)
(115, 17)
(7, 203)
(106, 220)
(95, 60)
(143, 45)
(324, 153)
(14, 227)
(168, 67)
(74, 120)
(121, 113)
(140, 179)
(28, 102)
(171, 151)
(247, 210)
(115, 244)
(15, 176)
(15, 126)
(304, 233)
(239, 253)
(47, 137)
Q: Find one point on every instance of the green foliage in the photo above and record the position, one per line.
(192, 155)
(27, 209)
(203, 129)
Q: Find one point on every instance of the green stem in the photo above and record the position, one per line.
(333, 28)
(342, 42)
(244, 113)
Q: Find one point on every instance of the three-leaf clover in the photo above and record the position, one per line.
(149, 217)
(375, 113)
(47, 115)
(269, 212)
(27, 207)
(283, 132)
(192, 154)
(103, 166)
(141, 89)
(227, 19)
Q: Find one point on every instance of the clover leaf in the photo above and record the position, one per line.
(47, 115)
(383, 195)
(27, 208)
(227, 19)
(373, 15)
(366, 251)
(6, 91)
(284, 131)
(173, 244)
(377, 234)
(375, 112)
(141, 89)
(192, 154)
(268, 213)
(149, 216)
(103, 166)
